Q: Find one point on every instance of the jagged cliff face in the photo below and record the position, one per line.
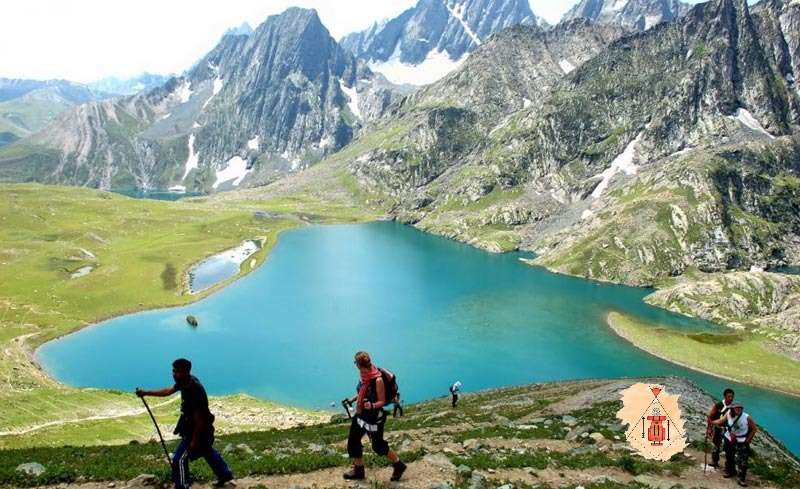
(255, 108)
(632, 14)
(733, 208)
(514, 70)
(427, 41)
(778, 23)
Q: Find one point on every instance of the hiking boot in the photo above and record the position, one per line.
(397, 473)
(742, 482)
(225, 482)
(728, 475)
(356, 474)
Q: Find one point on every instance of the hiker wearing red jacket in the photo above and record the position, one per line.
(369, 419)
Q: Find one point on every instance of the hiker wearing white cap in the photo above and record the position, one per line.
(454, 391)
(739, 432)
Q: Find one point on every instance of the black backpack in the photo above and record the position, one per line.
(390, 384)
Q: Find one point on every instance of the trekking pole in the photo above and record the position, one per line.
(158, 430)
(346, 406)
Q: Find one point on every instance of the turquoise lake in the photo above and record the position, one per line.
(430, 309)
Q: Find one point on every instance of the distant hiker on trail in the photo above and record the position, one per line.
(718, 410)
(454, 392)
(370, 417)
(195, 426)
(398, 405)
(739, 432)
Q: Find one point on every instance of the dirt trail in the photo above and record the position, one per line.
(118, 413)
(424, 474)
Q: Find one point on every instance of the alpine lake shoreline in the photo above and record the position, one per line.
(234, 402)
(100, 416)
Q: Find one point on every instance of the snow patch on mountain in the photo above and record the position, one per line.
(253, 143)
(615, 6)
(622, 163)
(458, 13)
(437, 65)
(192, 162)
(185, 92)
(352, 98)
(651, 20)
(326, 142)
(566, 66)
(215, 90)
(236, 169)
(745, 117)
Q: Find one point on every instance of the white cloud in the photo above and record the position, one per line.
(84, 40)
(551, 10)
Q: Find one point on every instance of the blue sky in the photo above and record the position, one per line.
(84, 40)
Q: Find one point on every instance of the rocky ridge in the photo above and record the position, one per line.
(631, 14)
(29, 105)
(561, 139)
(760, 302)
(255, 108)
(434, 36)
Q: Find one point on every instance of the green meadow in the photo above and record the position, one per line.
(743, 357)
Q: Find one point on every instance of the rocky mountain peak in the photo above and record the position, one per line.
(255, 108)
(299, 40)
(632, 14)
(434, 36)
(243, 30)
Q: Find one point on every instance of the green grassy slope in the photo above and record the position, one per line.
(531, 436)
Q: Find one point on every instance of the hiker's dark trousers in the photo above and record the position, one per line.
(180, 464)
(717, 441)
(455, 399)
(359, 428)
(736, 458)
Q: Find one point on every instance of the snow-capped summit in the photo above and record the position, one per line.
(426, 42)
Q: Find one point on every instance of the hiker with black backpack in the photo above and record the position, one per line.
(375, 387)
(195, 426)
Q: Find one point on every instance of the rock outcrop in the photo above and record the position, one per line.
(761, 302)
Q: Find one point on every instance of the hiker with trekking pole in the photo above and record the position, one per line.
(718, 409)
(374, 388)
(195, 427)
